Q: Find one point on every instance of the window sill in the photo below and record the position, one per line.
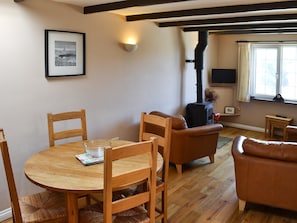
(270, 100)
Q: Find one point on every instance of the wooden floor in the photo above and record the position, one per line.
(206, 192)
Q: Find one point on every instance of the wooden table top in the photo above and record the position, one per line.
(57, 168)
(279, 118)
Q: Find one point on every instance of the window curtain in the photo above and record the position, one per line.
(243, 86)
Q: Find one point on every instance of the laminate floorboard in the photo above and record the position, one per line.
(206, 192)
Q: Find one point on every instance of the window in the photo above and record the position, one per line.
(274, 71)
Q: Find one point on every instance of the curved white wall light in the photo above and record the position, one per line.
(130, 44)
(130, 47)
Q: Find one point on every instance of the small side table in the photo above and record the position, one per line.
(272, 122)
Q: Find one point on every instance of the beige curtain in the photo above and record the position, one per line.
(243, 85)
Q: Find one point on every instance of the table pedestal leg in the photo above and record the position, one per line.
(72, 207)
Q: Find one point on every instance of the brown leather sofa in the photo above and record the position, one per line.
(188, 144)
(265, 172)
(291, 133)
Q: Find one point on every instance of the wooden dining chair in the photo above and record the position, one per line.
(64, 133)
(78, 119)
(2, 136)
(46, 206)
(79, 132)
(156, 126)
(125, 209)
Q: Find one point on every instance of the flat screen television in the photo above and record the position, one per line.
(223, 76)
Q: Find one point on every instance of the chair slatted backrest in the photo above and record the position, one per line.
(114, 181)
(68, 133)
(10, 179)
(164, 139)
(159, 127)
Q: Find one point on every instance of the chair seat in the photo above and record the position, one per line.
(140, 188)
(43, 206)
(94, 214)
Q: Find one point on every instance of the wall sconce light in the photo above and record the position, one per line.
(129, 44)
(130, 47)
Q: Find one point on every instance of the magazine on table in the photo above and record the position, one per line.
(87, 159)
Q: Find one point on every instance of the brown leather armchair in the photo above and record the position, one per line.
(265, 172)
(291, 133)
(188, 144)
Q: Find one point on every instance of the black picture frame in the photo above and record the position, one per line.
(65, 53)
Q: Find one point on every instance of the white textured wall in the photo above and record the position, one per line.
(117, 86)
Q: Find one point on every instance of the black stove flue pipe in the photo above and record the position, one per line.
(199, 54)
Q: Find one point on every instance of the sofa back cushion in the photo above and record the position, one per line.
(285, 151)
(177, 122)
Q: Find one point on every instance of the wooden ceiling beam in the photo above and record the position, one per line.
(253, 31)
(125, 4)
(242, 26)
(230, 20)
(216, 10)
(18, 0)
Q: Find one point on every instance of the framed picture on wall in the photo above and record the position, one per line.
(229, 110)
(64, 53)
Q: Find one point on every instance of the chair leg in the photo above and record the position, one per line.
(161, 213)
(164, 206)
(242, 204)
(179, 168)
(211, 157)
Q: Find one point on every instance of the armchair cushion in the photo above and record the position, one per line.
(271, 150)
(177, 122)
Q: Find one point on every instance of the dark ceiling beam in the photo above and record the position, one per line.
(215, 10)
(18, 0)
(125, 4)
(254, 31)
(230, 20)
(243, 26)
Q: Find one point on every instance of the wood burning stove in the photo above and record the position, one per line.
(199, 113)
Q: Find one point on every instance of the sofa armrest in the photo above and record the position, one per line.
(237, 149)
(292, 128)
(193, 143)
(291, 133)
(200, 130)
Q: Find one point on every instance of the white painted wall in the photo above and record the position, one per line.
(117, 86)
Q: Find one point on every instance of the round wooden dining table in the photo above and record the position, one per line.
(57, 169)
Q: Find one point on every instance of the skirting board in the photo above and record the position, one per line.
(5, 214)
(241, 126)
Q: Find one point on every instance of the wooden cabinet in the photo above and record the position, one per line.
(273, 122)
